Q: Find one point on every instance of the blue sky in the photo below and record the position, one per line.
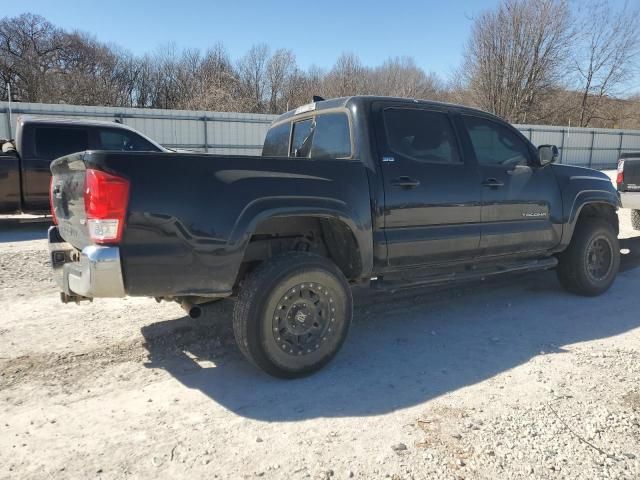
(432, 32)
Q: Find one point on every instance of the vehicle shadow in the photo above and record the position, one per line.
(403, 349)
(15, 231)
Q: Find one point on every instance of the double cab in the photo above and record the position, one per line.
(374, 191)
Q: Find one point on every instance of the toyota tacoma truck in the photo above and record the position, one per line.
(25, 163)
(628, 181)
(371, 191)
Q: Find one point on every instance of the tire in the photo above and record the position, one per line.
(590, 264)
(316, 304)
(635, 219)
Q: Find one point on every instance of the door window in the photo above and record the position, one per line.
(54, 142)
(496, 144)
(119, 140)
(422, 135)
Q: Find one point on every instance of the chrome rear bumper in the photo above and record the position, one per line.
(93, 272)
(630, 200)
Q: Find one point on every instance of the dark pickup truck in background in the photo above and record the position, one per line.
(386, 192)
(628, 181)
(25, 164)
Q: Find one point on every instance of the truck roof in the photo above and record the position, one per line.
(362, 100)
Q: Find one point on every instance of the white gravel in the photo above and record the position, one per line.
(508, 379)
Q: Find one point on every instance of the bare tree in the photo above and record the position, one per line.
(216, 85)
(347, 77)
(515, 53)
(280, 67)
(401, 77)
(605, 55)
(30, 51)
(252, 70)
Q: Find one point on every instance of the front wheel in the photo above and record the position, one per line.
(591, 262)
(293, 314)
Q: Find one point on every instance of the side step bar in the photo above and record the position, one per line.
(462, 276)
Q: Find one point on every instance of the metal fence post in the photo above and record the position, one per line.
(206, 140)
(562, 146)
(593, 137)
(620, 145)
(8, 124)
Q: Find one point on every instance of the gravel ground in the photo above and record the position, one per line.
(511, 378)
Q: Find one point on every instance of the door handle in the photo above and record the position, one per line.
(492, 183)
(405, 182)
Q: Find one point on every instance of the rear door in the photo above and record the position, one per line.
(42, 143)
(432, 192)
(519, 198)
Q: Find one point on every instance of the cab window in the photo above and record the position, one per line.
(301, 138)
(120, 140)
(331, 138)
(276, 144)
(54, 142)
(496, 144)
(421, 135)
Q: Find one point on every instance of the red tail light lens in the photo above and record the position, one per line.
(105, 202)
(51, 207)
(620, 178)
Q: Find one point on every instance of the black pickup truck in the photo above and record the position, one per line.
(628, 181)
(25, 163)
(386, 192)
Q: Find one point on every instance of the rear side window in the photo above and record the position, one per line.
(331, 138)
(496, 144)
(54, 142)
(302, 138)
(277, 142)
(421, 135)
(119, 140)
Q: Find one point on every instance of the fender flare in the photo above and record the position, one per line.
(263, 209)
(581, 200)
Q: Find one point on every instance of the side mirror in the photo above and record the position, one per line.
(547, 154)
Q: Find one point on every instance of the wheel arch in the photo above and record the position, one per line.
(335, 232)
(601, 205)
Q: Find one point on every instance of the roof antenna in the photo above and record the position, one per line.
(318, 98)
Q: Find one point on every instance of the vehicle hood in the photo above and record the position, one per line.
(571, 172)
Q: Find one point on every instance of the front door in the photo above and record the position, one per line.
(432, 194)
(518, 196)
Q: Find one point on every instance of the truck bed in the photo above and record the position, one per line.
(190, 216)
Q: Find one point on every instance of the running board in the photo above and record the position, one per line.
(462, 276)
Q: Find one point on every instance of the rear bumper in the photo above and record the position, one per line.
(630, 200)
(93, 272)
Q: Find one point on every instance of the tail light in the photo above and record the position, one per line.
(51, 207)
(105, 202)
(620, 179)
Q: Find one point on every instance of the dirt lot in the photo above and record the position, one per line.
(510, 379)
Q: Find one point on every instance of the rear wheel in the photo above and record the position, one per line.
(591, 262)
(635, 219)
(293, 314)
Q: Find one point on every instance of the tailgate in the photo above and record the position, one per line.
(67, 199)
(631, 170)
